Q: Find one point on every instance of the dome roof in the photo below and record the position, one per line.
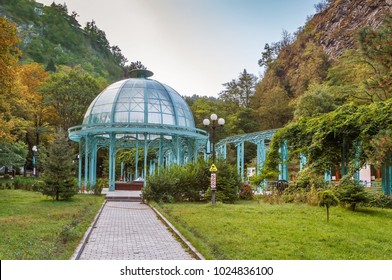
(139, 101)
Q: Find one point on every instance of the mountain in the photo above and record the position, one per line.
(53, 37)
(336, 27)
(303, 59)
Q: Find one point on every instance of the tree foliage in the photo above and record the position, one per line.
(69, 94)
(351, 192)
(321, 138)
(58, 175)
(331, 119)
(13, 154)
(241, 90)
(51, 35)
(327, 198)
(9, 54)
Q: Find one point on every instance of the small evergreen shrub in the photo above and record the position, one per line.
(350, 192)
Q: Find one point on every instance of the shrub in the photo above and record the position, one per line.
(191, 183)
(227, 183)
(328, 199)
(159, 186)
(246, 192)
(351, 192)
(99, 185)
(312, 197)
(379, 200)
(28, 184)
(308, 178)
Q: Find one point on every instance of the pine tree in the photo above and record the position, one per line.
(58, 178)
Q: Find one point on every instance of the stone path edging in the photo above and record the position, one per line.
(179, 235)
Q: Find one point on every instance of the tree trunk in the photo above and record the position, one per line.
(327, 214)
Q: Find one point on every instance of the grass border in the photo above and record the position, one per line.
(201, 246)
(82, 244)
(175, 231)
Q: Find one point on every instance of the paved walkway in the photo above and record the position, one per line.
(131, 231)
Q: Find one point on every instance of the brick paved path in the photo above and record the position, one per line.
(131, 231)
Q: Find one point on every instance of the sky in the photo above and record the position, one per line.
(194, 46)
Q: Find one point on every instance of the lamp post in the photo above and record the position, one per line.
(35, 169)
(213, 125)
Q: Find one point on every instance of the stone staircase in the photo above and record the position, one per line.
(129, 196)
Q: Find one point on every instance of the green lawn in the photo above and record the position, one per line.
(33, 226)
(252, 230)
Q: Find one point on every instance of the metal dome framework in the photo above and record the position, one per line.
(137, 113)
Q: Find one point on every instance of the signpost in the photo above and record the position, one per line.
(213, 169)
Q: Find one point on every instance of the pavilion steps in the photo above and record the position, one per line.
(124, 196)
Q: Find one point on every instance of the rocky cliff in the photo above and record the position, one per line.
(337, 25)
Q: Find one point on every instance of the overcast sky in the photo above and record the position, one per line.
(193, 45)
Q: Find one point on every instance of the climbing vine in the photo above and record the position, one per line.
(351, 131)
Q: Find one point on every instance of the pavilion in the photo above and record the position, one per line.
(141, 114)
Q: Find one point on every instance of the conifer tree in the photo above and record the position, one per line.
(58, 178)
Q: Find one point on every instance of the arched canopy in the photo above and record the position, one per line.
(137, 113)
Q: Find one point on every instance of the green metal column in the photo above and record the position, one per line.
(195, 150)
(137, 158)
(86, 152)
(145, 158)
(178, 152)
(240, 159)
(160, 156)
(112, 161)
(261, 155)
(327, 175)
(80, 159)
(283, 165)
(122, 171)
(386, 174)
(302, 161)
(92, 167)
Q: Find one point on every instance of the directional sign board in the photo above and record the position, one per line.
(213, 168)
(213, 181)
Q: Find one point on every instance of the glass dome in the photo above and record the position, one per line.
(139, 101)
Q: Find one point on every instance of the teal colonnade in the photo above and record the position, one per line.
(262, 140)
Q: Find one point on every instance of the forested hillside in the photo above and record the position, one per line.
(303, 60)
(341, 55)
(52, 36)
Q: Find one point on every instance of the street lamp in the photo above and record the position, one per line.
(35, 170)
(213, 124)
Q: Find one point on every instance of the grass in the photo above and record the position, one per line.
(253, 230)
(33, 226)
